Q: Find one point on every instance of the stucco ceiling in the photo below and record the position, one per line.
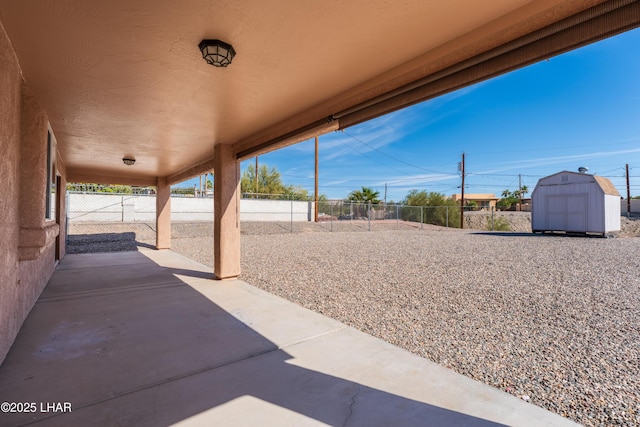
(125, 77)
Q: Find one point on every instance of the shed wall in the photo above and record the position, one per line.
(573, 207)
(611, 213)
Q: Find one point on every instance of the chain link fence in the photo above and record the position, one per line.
(124, 221)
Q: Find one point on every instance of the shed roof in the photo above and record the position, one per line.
(604, 183)
(607, 186)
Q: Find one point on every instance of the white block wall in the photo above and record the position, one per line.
(141, 208)
(635, 206)
(275, 210)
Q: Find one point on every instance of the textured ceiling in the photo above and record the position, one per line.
(125, 78)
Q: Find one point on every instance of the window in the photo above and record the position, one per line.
(50, 212)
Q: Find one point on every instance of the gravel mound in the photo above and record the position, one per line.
(511, 221)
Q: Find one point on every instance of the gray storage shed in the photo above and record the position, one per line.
(575, 203)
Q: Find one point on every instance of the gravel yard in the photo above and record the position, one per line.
(550, 319)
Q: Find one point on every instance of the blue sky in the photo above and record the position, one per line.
(578, 109)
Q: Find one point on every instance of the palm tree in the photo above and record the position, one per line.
(521, 192)
(365, 195)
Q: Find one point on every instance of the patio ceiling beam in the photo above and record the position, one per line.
(319, 127)
(97, 178)
(193, 171)
(596, 23)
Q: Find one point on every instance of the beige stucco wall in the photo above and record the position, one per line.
(10, 83)
(28, 243)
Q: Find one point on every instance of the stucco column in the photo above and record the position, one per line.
(163, 214)
(226, 213)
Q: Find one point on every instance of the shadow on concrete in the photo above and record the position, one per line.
(101, 242)
(145, 245)
(126, 342)
(104, 242)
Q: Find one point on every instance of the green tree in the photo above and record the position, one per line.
(295, 192)
(434, 208)
(183, 190)
(511, 198)
(100, 188)
(269, 181)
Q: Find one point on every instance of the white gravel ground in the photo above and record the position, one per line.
(551, 319)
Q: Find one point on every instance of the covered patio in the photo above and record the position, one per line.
(142, 338)
(118, 92)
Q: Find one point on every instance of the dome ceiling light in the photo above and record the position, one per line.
(216, 52)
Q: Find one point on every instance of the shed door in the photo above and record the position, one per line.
(556, 212)
(577, 213)
(567, 212)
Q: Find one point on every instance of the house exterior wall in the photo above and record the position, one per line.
(28, 244)
(485, 201)
(10, 287)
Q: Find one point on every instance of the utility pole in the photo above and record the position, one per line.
(628, 192)
(385, 193)
(520, 191)
(462, 193)
(315, 209)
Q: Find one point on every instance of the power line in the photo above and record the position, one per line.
(392, 157)
(376, 160)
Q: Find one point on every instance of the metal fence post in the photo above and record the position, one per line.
(492, 227)
(369, 215)
(447, 215)
(291, 215)
(421, 216)
(331, 215)
(397, 218)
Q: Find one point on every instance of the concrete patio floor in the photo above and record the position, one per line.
(148, 339)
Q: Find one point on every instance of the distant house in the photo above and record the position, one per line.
(483, 201)
(575, 203)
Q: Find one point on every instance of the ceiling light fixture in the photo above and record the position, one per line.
(216, 52)
(128, 162)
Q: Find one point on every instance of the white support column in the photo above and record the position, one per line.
(163, 214)
(226, 212)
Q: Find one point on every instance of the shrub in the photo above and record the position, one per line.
(499, 224)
